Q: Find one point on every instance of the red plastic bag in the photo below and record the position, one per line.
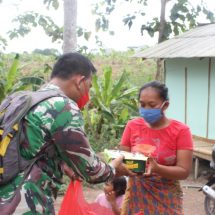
(74, 203)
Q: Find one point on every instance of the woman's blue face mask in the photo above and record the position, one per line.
(151, 115)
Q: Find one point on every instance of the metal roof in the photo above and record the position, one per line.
(198, 42)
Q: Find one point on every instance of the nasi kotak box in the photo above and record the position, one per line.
(133, 161)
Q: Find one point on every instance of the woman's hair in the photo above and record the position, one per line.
(119, 185)
(161, 89)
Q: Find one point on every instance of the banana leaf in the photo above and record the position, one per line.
(32, 81)
(106, 111)
(132, 106)
(117, 87)
(96, 87)
(124, 114)
(11, 75)
(128, 92)
(107, 83)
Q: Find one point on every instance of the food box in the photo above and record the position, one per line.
(133, 161)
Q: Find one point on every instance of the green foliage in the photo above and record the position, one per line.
(182, 17)
(36, 65)
(83, 32)
(32, 83)
(7, 79)
(32, 19)
(129, 20)
(102, 11)
(47, 52)
(114, 87)
(3, 43)
(53, 3)
(113, 102)
(10, 81)
(138, 71)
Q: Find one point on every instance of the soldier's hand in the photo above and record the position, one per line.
(120, 167)
(69, 172)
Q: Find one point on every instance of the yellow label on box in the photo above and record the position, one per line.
(134, 161)
(131, 166)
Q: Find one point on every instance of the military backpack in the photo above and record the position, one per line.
(12, 111)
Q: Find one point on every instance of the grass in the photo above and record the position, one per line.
(139, 71)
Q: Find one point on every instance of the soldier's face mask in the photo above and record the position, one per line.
(85, 97)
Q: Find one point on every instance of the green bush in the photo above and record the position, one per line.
(113, 103)
(11, 79)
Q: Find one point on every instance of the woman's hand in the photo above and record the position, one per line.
(152, 166)
(179, 171)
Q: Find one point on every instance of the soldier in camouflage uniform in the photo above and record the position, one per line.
(57, 120)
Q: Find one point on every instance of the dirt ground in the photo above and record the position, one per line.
(193, 202)
(193, 198)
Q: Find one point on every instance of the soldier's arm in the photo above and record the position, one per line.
(77, 153)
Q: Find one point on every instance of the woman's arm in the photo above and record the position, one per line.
(124, 148)
(179, 172)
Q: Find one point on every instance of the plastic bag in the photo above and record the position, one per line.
(74, 203)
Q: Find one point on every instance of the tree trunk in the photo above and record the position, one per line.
(162, 21)
(161, 38)
(70, 23)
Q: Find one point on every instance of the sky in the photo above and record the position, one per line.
(122, 39)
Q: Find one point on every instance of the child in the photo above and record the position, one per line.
(113, 194)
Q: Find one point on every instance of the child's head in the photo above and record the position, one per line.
(118, 185)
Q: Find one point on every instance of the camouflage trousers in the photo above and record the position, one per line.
(30, 199)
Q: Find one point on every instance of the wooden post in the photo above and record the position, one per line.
(196, 167)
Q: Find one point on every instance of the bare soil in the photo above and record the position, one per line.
(193, 201)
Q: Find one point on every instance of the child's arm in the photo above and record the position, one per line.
(112, 200)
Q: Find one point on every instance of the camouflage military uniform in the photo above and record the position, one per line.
(56, 120)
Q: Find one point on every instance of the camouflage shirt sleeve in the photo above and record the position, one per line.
(72, 143)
